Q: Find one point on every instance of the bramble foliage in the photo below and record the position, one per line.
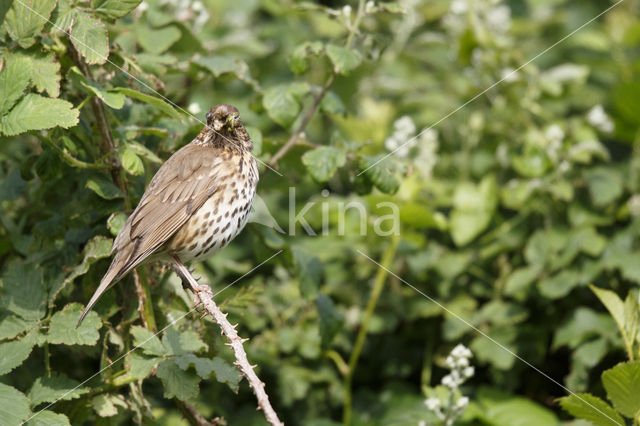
(508, 208)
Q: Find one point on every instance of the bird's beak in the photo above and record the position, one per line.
(232, 121)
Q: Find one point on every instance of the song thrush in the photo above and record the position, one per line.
(196, 203)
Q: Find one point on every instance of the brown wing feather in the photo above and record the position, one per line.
(178, 189)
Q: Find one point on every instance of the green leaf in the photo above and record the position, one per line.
(62, 329)
(181, 342)
(104, 188)
(116, 222)
(157, 41)
(144, 152)
(622, 384)
(382, 174)
(281, 105)
(26, 19)
(151, 100)
(96, 248)
(23, 291)
(298, 62)
(131, 162)
(114, 9)
(330, 320)
(474, 206)
(35, 112)
(501, 409)
(14, 79)
(343, 59)
(220, 65)
(309, 270)
(605, 185)
(332, 104)
(615, 306)
(12, 325)
(177, 382)
(147, 341)
(226, 373)
(140, 366)
(107, 405)
(14, 406)
(53, 388)
(560, 284)
(63, 16)
(89, 37)
(323, 162)
(49, 418)
(42, 68)
(13, 353)
(591, 408)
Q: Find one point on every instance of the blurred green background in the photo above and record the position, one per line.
(503, 207)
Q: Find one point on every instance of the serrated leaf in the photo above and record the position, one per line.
(26, 19)
(131, 162)
(381, 172)
(140, 366)
(147, 341)
(157, 41)
(309, 270)
(330, 320)
(12, 325)
(62, 16)
(104, 188)
(96, 248)
(622, 384)
(35, 112)
(13, 353)
(219, 65)
(114, 9)
(281, 105)
(14, 79)
(226, 373)
(62, 328)
(14, 405)
(53, 388)
(591, 408)
(181, 342)
(107, 405)
(204, 366)
(23, 291)
(323, 162)
(48, 418)
(151, 100)
(177, 382)
(343, 59)
(474, 206)
(45, 73)
(89, 37)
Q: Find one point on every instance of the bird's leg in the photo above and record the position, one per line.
(188, 281)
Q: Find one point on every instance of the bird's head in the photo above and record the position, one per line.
(223, 117)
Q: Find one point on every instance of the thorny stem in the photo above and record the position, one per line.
(204, 297)
(378, 285)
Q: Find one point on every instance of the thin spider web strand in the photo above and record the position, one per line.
(441, 306)
(148, 339)
(106, 58)
(413, 139)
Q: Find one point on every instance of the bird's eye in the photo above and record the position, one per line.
(209, 117)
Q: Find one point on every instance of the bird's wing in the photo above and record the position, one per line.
(179, 188)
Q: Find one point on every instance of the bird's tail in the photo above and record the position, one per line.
(113, 275)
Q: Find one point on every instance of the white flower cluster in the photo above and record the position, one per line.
(188, 10)
(496, 17)
(599, 119)
(403, 131)
(461, 370)
(428, 154)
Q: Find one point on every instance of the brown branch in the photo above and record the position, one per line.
(109, 145)
(204, 297)
(303, 124)
(194, 417)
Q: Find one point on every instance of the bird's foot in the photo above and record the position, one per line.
(201, 288)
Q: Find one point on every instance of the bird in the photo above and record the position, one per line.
(196, 203)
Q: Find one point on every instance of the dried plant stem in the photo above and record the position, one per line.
(204, 297)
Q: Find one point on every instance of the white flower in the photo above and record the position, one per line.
(194, 108)
(432, 403)
(142, 6)
(459, 6)
(461, 351)
(634, 205)
(450, 361)
(405, 125)
(369, 7)
(346, 11)
(462, 402)
(448, 381)
(599, 119)
(499, 18)
(468, 372)
(462, 362)
(554, 133)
